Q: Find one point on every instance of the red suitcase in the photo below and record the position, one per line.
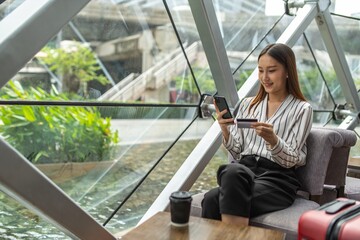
(339, 219)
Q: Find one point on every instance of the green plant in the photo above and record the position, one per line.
(186, 84)
(311, 83)
(243, 76)
(54, 133)
(76, 64)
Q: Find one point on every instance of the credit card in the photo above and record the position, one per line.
(245, 122)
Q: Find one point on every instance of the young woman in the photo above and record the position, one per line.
(261, 177)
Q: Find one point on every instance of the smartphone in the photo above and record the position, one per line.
(245, 122)
(222, 105)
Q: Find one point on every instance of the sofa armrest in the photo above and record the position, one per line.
(337, 169)
(323, 144)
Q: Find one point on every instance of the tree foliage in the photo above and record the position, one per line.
(76, 64)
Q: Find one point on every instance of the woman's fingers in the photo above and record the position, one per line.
(219, 116)
(266, 131)
(262, 129)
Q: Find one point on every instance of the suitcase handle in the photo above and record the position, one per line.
(339, 205)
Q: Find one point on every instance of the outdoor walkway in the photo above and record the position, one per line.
(133, 131)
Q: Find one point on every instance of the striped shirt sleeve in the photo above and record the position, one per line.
(235, 144)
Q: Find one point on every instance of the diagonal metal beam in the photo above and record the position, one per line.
(208, 27)
(25, 183)
(341, 67)
(337, 56)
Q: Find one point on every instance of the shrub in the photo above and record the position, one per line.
(46, 134)
(76, 64)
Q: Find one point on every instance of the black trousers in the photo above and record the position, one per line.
(250, 188)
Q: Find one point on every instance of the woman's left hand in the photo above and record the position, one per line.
(265, 130)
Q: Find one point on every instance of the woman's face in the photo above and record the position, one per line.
(272, 75)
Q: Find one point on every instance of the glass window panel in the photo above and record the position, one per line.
(116, 52)
(324, 119)
(208, 179)
(243, 24)
(329, 77)
(188, 36)
(18, 222)
(348, 29)
(76, 147)
(6, 7)
(136, 43)
(355, 150)
(141, 200)
(313, 85)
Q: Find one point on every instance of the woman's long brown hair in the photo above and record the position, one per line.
(285, 56)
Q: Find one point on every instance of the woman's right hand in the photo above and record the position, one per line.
(224, 123)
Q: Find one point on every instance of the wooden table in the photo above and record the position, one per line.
(158, 227)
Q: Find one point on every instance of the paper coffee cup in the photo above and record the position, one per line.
(180, 205)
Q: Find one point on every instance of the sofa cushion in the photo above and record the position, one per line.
(285, 220)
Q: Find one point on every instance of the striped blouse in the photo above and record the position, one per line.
(291, 122)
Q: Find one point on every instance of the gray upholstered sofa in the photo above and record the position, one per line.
(328, 153)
